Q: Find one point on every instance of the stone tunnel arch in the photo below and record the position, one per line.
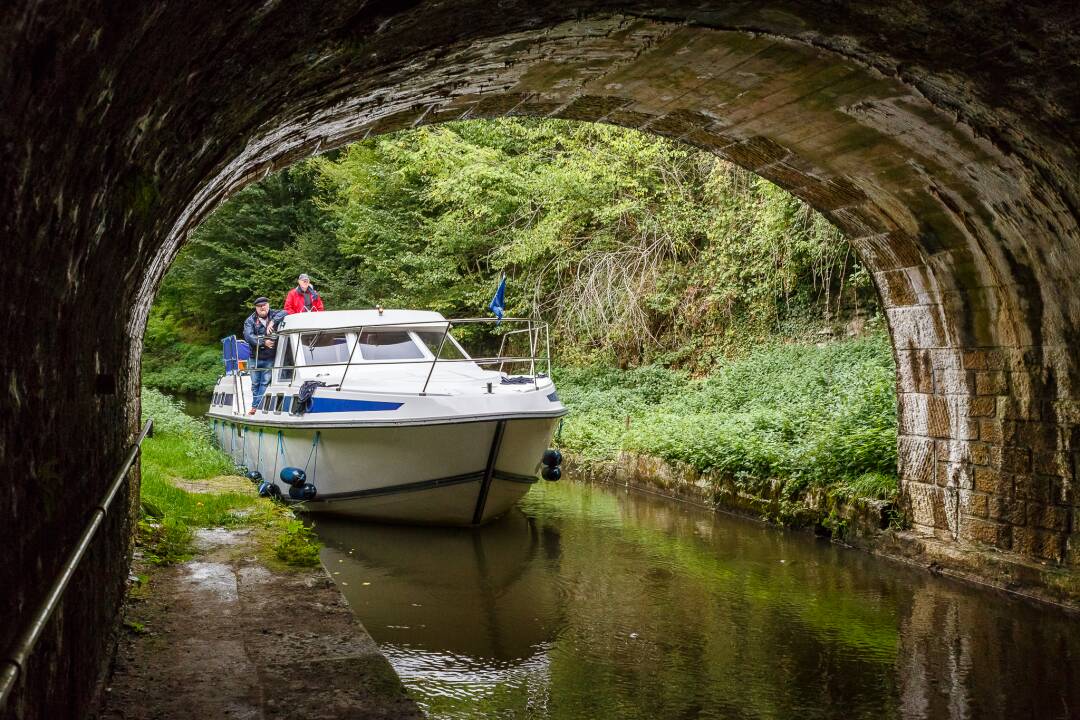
(953, 176)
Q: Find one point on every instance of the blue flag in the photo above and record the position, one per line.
(498, 303)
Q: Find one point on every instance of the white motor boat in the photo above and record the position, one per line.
(383, 415)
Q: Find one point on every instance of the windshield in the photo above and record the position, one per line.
(450, 349)
(324, 348)
(389, 345)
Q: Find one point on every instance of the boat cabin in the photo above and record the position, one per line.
(391, 350)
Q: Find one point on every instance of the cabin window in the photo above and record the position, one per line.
(389, 345)
(324, 348)
(227, 400)
(450, 349)
(267, 399)
(288, 403)
(286, 358)
(277, 403)
(214, 400)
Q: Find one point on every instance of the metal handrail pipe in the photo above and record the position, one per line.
(15, 661)
(417, 361)
(414, 361)
(416, 323)
(353, 352)
(438, 354)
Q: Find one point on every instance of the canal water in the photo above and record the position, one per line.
(194, 404)
(592, 602)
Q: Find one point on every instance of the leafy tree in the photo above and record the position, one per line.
(638, 249)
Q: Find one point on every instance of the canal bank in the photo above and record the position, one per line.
(224, 634)
(876, 526)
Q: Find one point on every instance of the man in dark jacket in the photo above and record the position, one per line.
(258, 331)
(303, 297)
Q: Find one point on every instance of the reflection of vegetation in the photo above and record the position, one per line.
(712, 621)
(841, 614)
(658, 619)
(182, 450)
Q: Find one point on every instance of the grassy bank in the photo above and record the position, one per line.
(188, 483)
(811, 416)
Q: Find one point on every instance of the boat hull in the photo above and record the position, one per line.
(461, 473)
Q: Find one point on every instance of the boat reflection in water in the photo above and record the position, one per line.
(465, 610)
(590, 602)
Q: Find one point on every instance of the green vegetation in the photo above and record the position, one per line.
(813, 416)
(687, 297)
(174, 364)
(296, 545)
(182, 450)
(638, 249)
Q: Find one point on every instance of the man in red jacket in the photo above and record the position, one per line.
(303, 297)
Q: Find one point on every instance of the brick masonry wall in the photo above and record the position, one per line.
(940, 140)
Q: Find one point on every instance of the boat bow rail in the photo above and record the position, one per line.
(535, 336)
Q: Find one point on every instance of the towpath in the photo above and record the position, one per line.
(225, 636)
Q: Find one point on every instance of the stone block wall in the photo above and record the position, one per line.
(940, 139)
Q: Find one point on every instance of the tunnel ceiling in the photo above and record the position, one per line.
(942, 138)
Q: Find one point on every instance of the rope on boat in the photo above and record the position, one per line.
(258, 462)
(313, 452)
(281, 448)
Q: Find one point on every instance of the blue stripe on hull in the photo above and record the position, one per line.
(331, 405)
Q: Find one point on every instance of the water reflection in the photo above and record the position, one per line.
(594, 603)
(474, 595)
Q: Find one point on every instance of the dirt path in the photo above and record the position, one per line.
(224, 636)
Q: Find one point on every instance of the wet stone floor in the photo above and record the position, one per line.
(224, 636)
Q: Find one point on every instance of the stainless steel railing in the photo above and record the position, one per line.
(535, 330)
(14, 662)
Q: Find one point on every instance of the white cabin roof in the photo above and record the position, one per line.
(335, 319)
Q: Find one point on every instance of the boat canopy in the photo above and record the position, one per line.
(350, 319)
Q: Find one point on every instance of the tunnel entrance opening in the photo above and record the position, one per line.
(644, 254)
(918, 194)
(924, 137)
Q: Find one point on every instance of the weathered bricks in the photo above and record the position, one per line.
(986, 532)
(1044, 544)
(1011, 459)
(979, 453)
(980, 226)
(991, 481)
(993, 382)
(979, 505)
(1008, 510)
(1050, 517)
(984, 360)
(990, 431)
(982, 407)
